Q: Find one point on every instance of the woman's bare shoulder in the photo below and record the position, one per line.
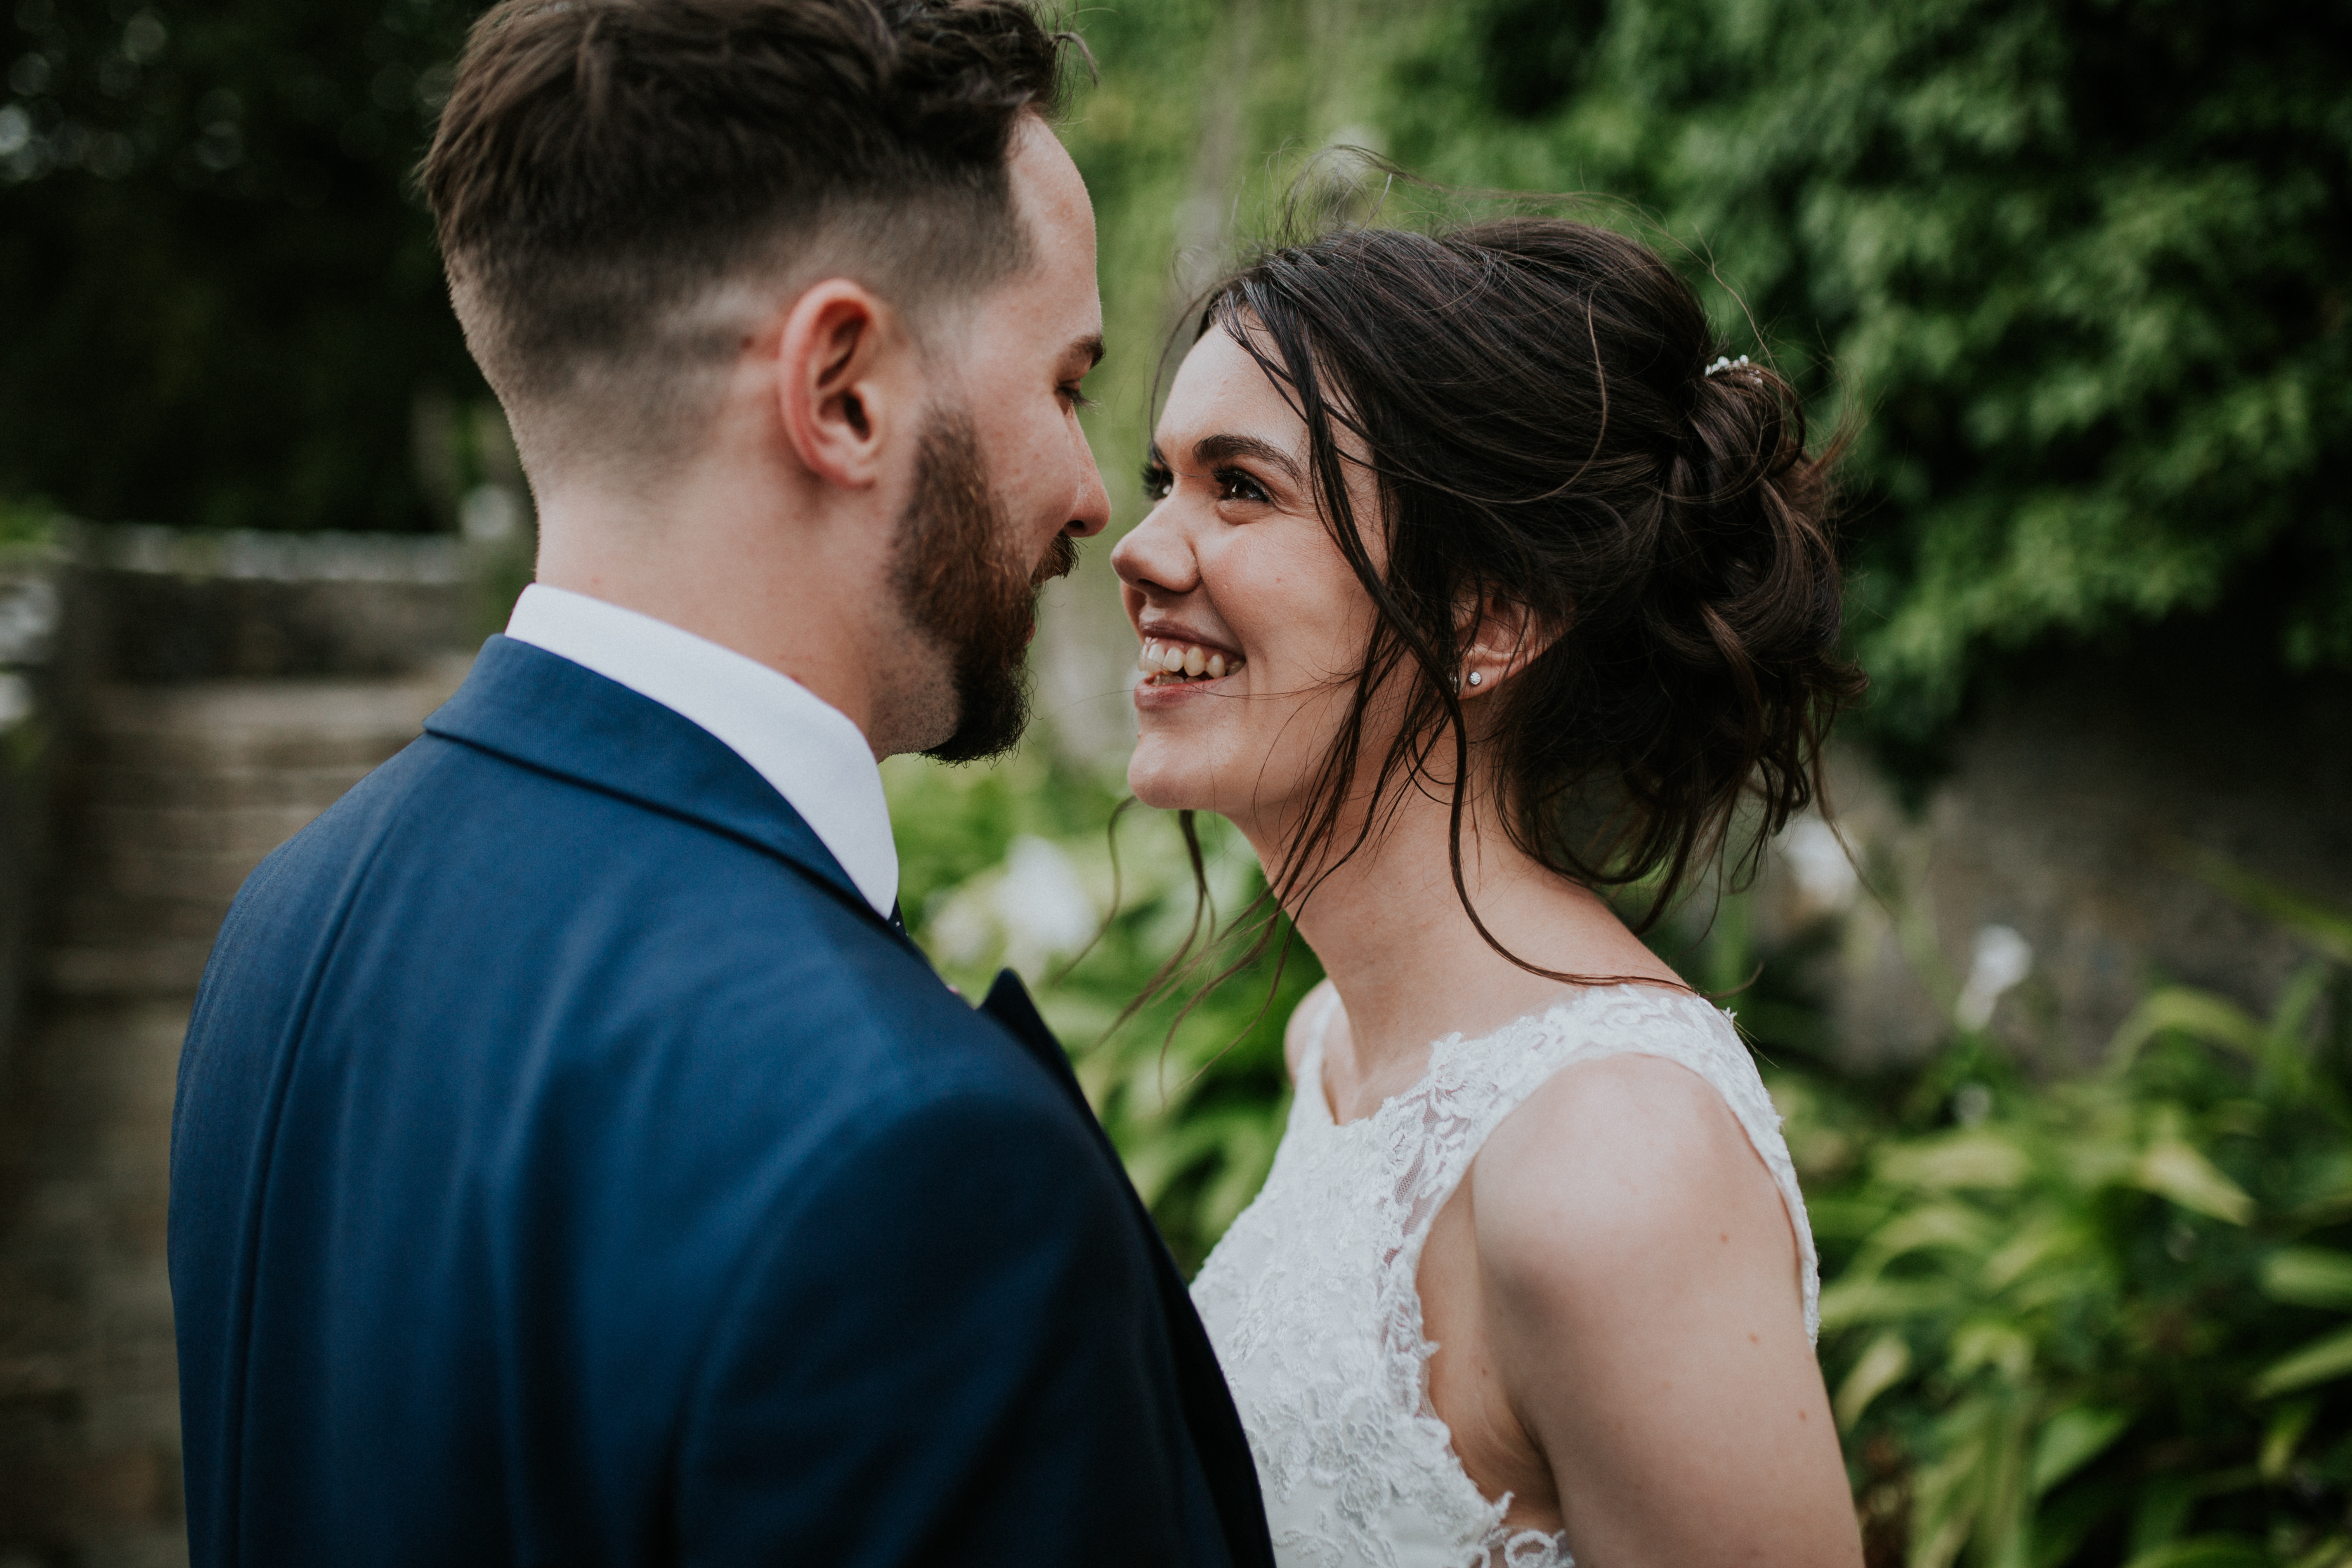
(1612, 1165)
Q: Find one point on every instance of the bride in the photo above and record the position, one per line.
(1479, 580)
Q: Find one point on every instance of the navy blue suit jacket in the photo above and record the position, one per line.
(570, 1167)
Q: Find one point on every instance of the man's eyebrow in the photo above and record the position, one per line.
(1224, 448)
(1091, 346)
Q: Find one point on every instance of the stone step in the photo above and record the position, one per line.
(311, 788)
(89, 1418)
(132, 968)
(248, 831)
(184, 790)
(243, 725)
(185, 877)
(93, 917)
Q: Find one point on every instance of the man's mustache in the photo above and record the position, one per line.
(1060, 561)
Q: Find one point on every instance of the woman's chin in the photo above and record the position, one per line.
(1159, 780)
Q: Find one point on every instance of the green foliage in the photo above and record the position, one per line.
(25, 528)
(2100, 1322)
(1013, 865)
(240, 320)
(2083, 262)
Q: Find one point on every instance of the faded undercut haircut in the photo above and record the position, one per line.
(620, 186)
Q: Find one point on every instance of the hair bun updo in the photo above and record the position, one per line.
(1537, 401)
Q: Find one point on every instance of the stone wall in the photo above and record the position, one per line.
(156, 606)
(159, 604)
(201, 698)
(31, 608)
(2076, 815)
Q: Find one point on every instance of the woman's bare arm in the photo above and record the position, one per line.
(1638, 1281)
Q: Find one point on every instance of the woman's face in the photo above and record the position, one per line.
(1247, 611)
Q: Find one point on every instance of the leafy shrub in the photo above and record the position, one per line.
(2106, 1320)
(2100, 1322)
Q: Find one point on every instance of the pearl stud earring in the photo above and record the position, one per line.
(1475, 678)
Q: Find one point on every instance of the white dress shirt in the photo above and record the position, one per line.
(811, 752)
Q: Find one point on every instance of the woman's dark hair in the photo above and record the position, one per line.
(1536, 400)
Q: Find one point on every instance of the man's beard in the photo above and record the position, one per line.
(961, 587)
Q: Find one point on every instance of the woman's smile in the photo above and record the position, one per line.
(1178, 668)
(1176, 655)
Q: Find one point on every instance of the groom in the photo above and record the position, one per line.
(575, 1164)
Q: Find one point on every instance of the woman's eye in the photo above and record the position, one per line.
(1233, 484)
(1076, 395)
(1157, 481)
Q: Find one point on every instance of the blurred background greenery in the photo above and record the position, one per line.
(2078, 267)
(2085, 263)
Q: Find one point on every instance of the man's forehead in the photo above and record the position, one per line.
(1052, 306)
(1045, 178)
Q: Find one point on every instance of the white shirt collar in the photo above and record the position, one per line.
(811, 752)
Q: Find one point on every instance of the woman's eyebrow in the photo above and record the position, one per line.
(1209, 449)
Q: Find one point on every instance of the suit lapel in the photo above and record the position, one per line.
(1008, 1003)
(544, 711)
(1208, 1410)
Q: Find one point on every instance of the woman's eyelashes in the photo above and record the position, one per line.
(1236, 484)
(1233, 484)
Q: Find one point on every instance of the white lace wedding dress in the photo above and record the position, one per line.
(1312, 1302)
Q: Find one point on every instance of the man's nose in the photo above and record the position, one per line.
(1090, 512)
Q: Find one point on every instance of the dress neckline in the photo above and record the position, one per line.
(1443, 1048)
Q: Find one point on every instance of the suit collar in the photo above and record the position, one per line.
(544, 711)
(816, 758)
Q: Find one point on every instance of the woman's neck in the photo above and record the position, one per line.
(1410, 966)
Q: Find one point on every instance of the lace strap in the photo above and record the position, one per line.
(1308, 1103)
(1323, 1022)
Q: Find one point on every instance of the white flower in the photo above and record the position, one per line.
(2001, 960)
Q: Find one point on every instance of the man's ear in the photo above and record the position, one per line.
(836, 406)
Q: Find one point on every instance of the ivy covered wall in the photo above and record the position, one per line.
(2083, 266)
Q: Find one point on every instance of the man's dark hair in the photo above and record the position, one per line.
(604, 167)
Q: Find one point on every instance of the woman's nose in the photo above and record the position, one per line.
(1155, 555)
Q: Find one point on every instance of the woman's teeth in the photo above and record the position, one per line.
(1168, 663)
